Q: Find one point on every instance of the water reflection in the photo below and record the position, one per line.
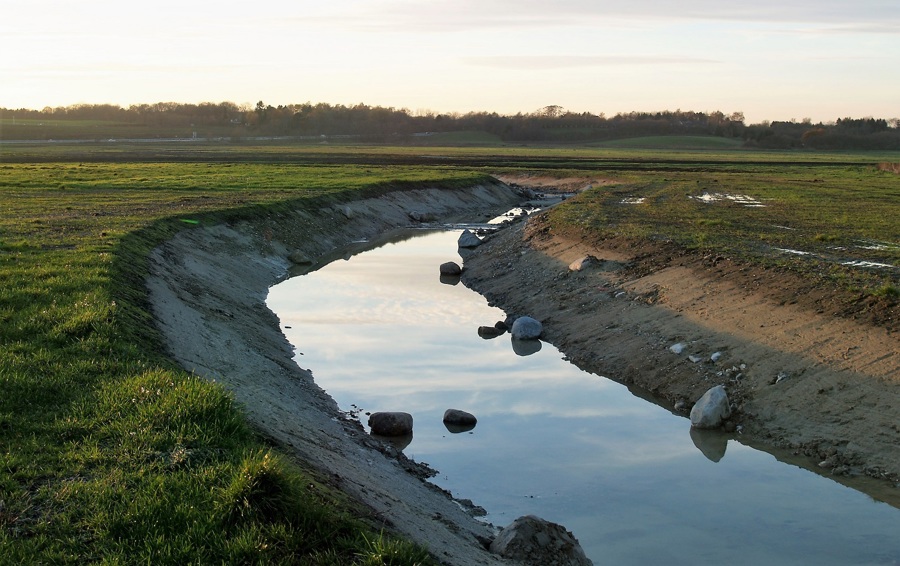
(711, 443)
(629, 478)
(525, 347)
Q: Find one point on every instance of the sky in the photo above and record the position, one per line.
(770, 59)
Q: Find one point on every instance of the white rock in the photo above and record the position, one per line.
(677, 348)
(582, 263)
(711, 409)
(715, 357)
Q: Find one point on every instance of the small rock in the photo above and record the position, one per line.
(536, 542)
(450, 268)
(711, 409)
(781, 377)
(489, 331)
(677, 348)
(695, 359)
(300, 258)
(345, 210)
(715, 357)
(391, 423)
(459, 417)
(468, 240)
(526, 328)
(583, 263)
(417, 216)
(681, 405)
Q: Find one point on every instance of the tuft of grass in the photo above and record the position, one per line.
(887, 291)
(382, 551)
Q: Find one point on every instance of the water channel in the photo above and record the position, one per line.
(381, 332)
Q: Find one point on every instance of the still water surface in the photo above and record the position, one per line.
(381, 333)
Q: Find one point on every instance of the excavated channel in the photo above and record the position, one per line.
(382, 331)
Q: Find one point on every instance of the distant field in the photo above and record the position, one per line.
(674, 142)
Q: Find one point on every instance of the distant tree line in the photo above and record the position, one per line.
(547, 124)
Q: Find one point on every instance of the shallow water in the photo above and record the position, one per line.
(382, 333)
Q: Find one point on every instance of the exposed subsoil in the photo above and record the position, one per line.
(835, 409)
(208, 288)
(814, 373)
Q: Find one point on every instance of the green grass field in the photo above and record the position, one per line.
(111, 454)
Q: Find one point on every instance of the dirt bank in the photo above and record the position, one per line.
(819, 391)
(835, 409)
(208, 288)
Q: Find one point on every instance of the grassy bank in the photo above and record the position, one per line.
(110, 453)
(757, 212)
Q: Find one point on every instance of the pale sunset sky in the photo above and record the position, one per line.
(771, 59)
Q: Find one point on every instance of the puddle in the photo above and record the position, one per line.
(849, 262)
(744, 200)
(382, 332)
(869, 264)
(790, 251)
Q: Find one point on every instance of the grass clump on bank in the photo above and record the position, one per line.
(110, 453)
(839, 225)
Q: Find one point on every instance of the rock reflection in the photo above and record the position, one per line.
(458, 428)
(450, 279)
(712, 443)
(526, 347)
(398, 442)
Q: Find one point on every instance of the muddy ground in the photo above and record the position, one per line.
(835, 410)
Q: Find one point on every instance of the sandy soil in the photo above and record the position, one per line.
(835, 409)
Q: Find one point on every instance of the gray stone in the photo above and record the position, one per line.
(711, 409)
(526, 328)
(391, 424)
(418, 216)
(533, 541)
(459, 417)
(345, 210)
(468, 240)
(450, 268)
(300, 258)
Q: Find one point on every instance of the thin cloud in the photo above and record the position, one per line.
(867, 16)
(546, 62)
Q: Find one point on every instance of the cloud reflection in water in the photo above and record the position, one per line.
(627, 477)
